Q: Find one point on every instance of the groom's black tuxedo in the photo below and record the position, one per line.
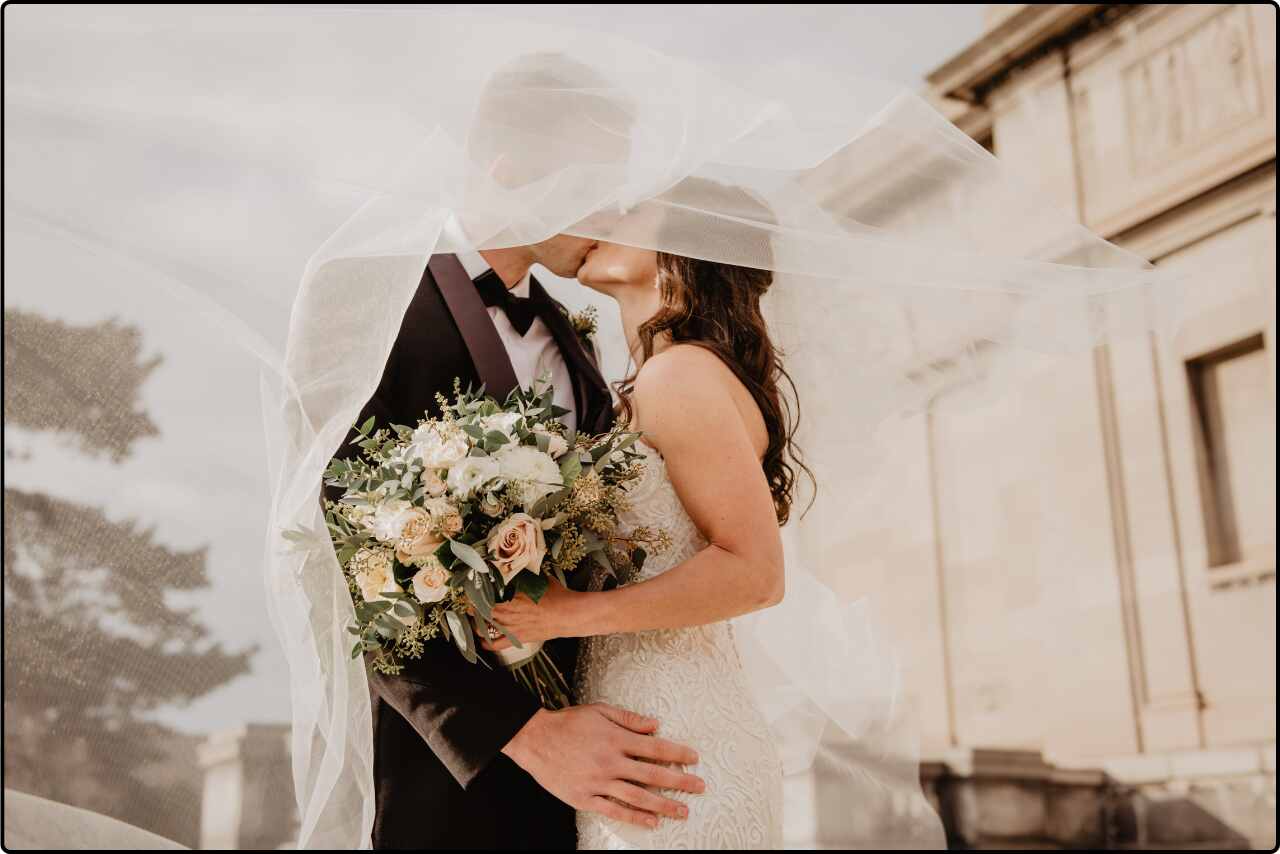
(440, 779)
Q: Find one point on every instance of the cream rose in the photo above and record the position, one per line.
(374, 573)
(444, 516)
(431, 583)
(516, 544)
(417, 541)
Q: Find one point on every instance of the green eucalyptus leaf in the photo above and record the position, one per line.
(480, 596)
(444, 554)
(570, 468)
(626, 443)
(547, 504)
(469, 556)
(531, 585)
(462, 635)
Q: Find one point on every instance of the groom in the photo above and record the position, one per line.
(463, 756)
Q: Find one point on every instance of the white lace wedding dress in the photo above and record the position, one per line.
(692, 681)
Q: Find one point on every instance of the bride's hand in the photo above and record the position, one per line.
(556, 615)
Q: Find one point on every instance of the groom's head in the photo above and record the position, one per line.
(551, 136)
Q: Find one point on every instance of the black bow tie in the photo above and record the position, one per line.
(521, 311)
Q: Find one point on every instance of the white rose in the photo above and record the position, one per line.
(535, 470)
(438, 451)
(516, 544)
(388, 520)
(431, 583)
(502, 422)
(556, 444)
(472, 473)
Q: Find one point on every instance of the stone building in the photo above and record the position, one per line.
(1095, 584)
(1089, 565)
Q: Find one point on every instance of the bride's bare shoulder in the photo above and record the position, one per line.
(685, 389)
(684, 369)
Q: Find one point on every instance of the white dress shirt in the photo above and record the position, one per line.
(533, 354)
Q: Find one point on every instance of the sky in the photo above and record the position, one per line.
(207, 385)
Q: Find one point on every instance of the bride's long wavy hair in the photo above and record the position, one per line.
(716, 306)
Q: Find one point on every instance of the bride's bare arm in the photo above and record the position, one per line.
(684, 397)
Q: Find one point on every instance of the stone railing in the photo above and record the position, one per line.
(1222, 799)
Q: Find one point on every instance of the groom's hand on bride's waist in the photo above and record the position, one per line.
(588, 755)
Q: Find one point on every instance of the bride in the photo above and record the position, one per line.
(721, 479)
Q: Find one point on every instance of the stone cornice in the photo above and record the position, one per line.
(1010, 43)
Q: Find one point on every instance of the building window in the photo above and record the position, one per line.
(1230, 392)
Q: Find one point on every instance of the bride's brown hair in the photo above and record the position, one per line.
(716, 306)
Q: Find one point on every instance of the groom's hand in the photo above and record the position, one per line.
(598, 758)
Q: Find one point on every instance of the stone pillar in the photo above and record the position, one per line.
(248, 788)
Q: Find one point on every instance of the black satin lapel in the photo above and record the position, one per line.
(490, 357)
(590, 392)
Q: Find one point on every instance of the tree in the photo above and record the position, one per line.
(91, 646)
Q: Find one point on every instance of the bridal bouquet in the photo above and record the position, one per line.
(440, 521)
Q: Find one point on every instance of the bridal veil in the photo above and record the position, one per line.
(280, 175)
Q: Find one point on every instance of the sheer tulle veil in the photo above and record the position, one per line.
(907, 263)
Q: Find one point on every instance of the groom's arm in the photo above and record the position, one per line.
(466, 713)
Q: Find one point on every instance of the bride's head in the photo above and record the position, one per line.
(676, 299)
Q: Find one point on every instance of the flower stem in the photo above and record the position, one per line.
(540, 677)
